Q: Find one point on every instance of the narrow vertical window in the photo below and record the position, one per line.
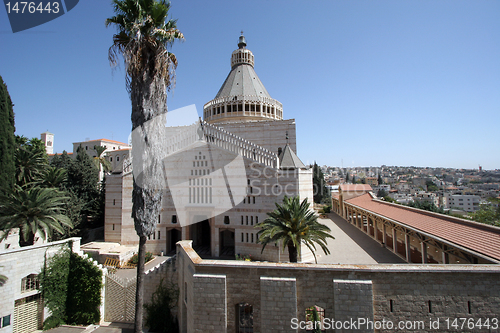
(244, 318)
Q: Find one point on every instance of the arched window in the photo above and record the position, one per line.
(29, 283)
(244, 318)
(226, 219)
(174, 218)
(315, 316)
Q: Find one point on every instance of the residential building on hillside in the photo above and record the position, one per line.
(468, 203)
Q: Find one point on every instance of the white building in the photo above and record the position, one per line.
(468, 203)
(242, 123)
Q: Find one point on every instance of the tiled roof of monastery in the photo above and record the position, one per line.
(478, 237)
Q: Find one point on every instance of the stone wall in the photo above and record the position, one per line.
(376, 293)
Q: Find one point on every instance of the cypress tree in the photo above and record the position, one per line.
(7, 139)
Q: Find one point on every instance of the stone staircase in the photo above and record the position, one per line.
(184, 136)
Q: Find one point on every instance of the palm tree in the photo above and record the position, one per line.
(144, 34)
(30, 165)
(293, 224)
(101, 162)
(54, 177)
(33, 210)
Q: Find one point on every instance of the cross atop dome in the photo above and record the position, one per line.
(241, 41)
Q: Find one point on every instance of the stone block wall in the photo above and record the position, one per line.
(353, 299)
(406, 294)
(278, 297)
(209, 304)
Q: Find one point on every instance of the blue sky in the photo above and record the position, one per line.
(401, 82)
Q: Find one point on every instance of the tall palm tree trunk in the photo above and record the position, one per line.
(292, 252)
(149, 101)
(139, 295)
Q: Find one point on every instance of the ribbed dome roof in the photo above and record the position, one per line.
(242, 96)
(242, 81)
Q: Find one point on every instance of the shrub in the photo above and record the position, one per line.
(71, 287)
(159, 316)
(135, 258)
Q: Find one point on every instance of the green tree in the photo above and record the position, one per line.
(33, 210)
(426, 205)
(380, 180)
(31, 161)
(83, 181)
(347, 178)
(381, 193)
(7, 139)
(487, 214)
(71, 287)
(431, 187)
(293, 223)
(144, 35)
(85, 205)
(321, 193)
(100, 161)
(159, 316)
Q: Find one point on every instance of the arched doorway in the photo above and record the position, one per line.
(226, 243)
(173, 236)
(200, 234)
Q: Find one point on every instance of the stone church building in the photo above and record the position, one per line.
(242, 124)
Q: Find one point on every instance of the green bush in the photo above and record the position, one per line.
(159, 316)
(135, 258)
(71, 287)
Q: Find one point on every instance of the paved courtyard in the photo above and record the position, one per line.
(352, 246)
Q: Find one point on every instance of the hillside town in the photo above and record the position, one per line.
(457, 191)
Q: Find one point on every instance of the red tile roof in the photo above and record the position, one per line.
(478, 237)
(112, 141)
(59, 154)
(123, 149)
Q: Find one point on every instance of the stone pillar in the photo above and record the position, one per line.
(407, 248)
(423, 250)
(384, 234)
(353, 299)
(394, 240)
(209, 304)
(278, 304)
(444, 255)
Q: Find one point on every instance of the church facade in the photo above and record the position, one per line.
(238, 162)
